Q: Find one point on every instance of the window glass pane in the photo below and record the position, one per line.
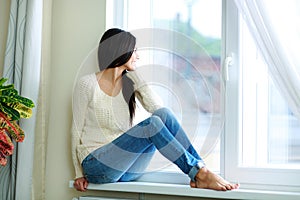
(191, 63)
(270, 132)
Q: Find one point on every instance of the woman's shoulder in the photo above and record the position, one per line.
(86, 81)
(87, 77)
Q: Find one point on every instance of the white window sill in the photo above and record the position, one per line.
(185, 190)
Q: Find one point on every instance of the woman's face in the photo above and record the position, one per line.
(131, 63)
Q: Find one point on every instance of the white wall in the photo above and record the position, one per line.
(77, 26)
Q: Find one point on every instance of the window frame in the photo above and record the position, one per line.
(252, 178)
(249, 177)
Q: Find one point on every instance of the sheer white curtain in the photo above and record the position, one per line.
(275, 27)
(40, 146)
(30, 88)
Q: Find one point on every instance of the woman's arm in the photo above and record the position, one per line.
(147, 97)
(79, 107)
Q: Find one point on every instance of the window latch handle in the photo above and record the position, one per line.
(228, 62)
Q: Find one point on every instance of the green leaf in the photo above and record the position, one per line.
(3, 80)
(10, 92)
(23, 100)
(5, 99)
(24, 111)
(11, 113)
(6, 87)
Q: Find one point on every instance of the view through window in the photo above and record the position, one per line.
(270, 131)
(191, 64)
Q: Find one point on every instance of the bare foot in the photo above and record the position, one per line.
(208, 180)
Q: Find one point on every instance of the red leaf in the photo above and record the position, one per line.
(12, 128)
(3, 159)
(6, 145)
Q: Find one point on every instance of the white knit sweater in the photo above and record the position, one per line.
(99, 118)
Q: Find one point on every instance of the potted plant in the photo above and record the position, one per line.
(12, 108)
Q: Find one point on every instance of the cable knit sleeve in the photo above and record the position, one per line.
(147, 97)
(80, 102)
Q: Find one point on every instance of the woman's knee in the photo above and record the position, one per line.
(155, 120)
(163, 113)
(156, 124)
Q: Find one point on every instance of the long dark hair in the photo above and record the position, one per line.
(115, 49)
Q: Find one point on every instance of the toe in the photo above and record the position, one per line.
(223, 188)
(193, 184)
(229, 187)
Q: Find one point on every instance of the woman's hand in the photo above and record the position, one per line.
(81, 184)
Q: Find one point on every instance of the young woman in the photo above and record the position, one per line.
(106, 147)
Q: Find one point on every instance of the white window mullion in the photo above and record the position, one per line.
(230, 45)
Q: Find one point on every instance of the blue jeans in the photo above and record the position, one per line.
(127, 157)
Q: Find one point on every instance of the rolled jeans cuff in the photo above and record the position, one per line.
(194, 171)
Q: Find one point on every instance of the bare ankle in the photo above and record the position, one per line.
(202, 174)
